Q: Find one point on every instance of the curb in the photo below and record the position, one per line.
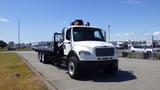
(49, 85)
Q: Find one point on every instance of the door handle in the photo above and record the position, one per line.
(67, 42)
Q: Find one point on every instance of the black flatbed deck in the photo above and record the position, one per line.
(43, 49)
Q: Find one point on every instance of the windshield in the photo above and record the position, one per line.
(87, 34)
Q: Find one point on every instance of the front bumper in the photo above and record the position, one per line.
(98, 64)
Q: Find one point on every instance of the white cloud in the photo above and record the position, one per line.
(118, 35)
(135, 2)
(147, 34)
(134, 36)
(129, 34)
(156, 33)
(123, 36)
(3, 19)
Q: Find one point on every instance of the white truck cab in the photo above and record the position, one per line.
(88, 43)
(80, 47)
(86, 48)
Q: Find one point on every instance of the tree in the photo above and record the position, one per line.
(2, 44)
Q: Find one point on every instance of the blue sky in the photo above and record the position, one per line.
(129, 19)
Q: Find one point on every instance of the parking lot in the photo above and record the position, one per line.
(133, 74)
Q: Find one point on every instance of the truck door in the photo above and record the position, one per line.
(67, 42)
(57, 39)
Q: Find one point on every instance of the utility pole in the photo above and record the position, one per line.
(109, 29)
(152, 48)
(19, 43)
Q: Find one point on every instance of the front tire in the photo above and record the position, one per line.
(73, 67)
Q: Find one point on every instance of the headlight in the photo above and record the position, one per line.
(85, 53)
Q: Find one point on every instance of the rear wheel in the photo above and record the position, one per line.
(58, 62)
(43, 58)
(53, 61)
(73, 67)
(40, 56)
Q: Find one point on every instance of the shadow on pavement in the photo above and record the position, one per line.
(98, 76)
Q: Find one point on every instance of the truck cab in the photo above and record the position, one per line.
(88, 43)
(85, 47)
(80, 47)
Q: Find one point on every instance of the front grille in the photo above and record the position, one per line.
(105, 51)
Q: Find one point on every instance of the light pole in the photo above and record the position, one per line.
(19, 43)
(109, 28)
(152, 47)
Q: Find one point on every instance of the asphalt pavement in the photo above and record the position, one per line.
(133, 74)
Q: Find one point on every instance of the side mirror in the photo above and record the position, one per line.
(104, 34)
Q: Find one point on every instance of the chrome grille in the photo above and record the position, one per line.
(105, 51)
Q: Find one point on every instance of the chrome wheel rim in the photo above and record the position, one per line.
(71, 68)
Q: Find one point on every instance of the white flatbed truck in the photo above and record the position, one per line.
(80, 47)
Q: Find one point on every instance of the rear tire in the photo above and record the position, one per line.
(53, 61)
(44, 59)
(73, 67)
(58, 62)
(40, 56)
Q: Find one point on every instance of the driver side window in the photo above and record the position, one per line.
(68, 34)
(97, 35)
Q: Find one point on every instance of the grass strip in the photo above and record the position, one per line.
(16, 75)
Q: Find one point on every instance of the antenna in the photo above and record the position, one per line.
(109, 29)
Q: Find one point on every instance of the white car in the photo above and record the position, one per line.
(144, 49)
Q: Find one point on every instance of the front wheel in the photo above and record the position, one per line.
(73, 67)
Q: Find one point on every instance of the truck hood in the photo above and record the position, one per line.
(92, 44)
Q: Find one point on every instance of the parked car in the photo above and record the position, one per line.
(122, 46)
(144, 49)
